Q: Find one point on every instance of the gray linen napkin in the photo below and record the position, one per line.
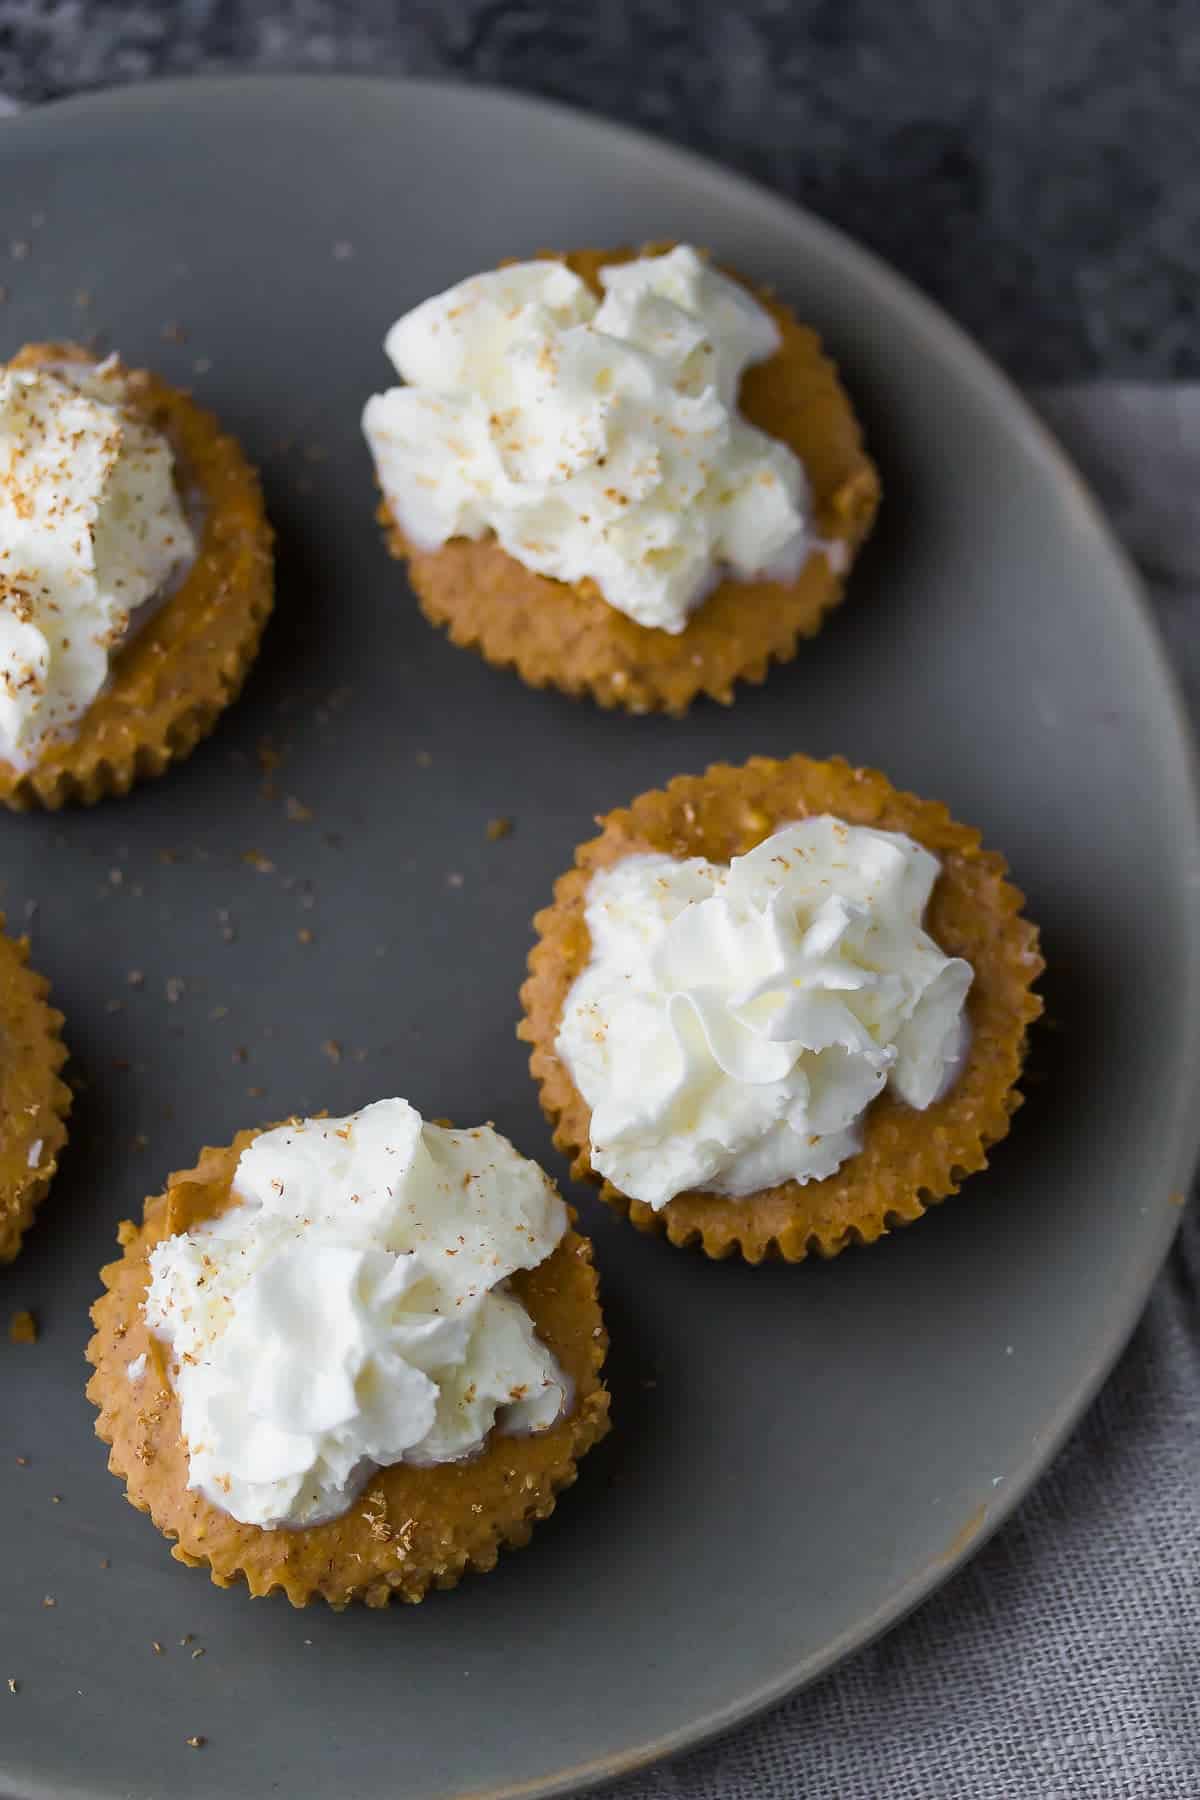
(1062, 1663)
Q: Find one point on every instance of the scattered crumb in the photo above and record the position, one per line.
(240, 1055)
(173, 334)
(49, 1600)
(377, 1520)
(259, 861)
(135, 978)
(454, 879)
(196, 1743)
(174, 989)
(140, 1140)
(56, 1499)
(304, 935)
(22, 1462)
(22, 1329)
(116, 876)
(296, 810)
(18, 249)
(332, 1049)
(497, 829)
(199, 1652)
(157, 1648)
(219, 1012)
(168, 856)
(104, 1563)
(256, 1093)
(14, 1687)
(186, 1639)
(424, 759)
(114, 1006)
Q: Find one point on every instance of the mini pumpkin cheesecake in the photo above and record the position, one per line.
(135, 575)
(350, 1359)
(620, 473)
(34, 1102)
(779, 1009)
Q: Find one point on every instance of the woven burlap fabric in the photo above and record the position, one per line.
(1064, 1662)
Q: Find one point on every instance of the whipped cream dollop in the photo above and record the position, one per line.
(598, 440)
(351, 1310)
(91, 530)
(736, 1020)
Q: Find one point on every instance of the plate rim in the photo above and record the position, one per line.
(974, 368)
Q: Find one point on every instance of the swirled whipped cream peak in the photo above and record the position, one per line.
(352, 1310)
(735, 1021)
(598, 439)
(91, 530)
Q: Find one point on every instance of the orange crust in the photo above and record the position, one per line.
(34, 1102)
(412, 1528)
(909, 1159)
(175, 677)
(563, 635)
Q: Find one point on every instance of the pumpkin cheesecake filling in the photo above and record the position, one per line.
(623, 474)
(135, 575)
(350, 1357)
(779, 1009)
(34, 1101)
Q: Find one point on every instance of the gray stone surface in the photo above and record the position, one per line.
(1033, 164)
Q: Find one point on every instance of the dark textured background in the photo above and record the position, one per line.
(1034, 164)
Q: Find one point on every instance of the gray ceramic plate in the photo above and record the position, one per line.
(799, 1454)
